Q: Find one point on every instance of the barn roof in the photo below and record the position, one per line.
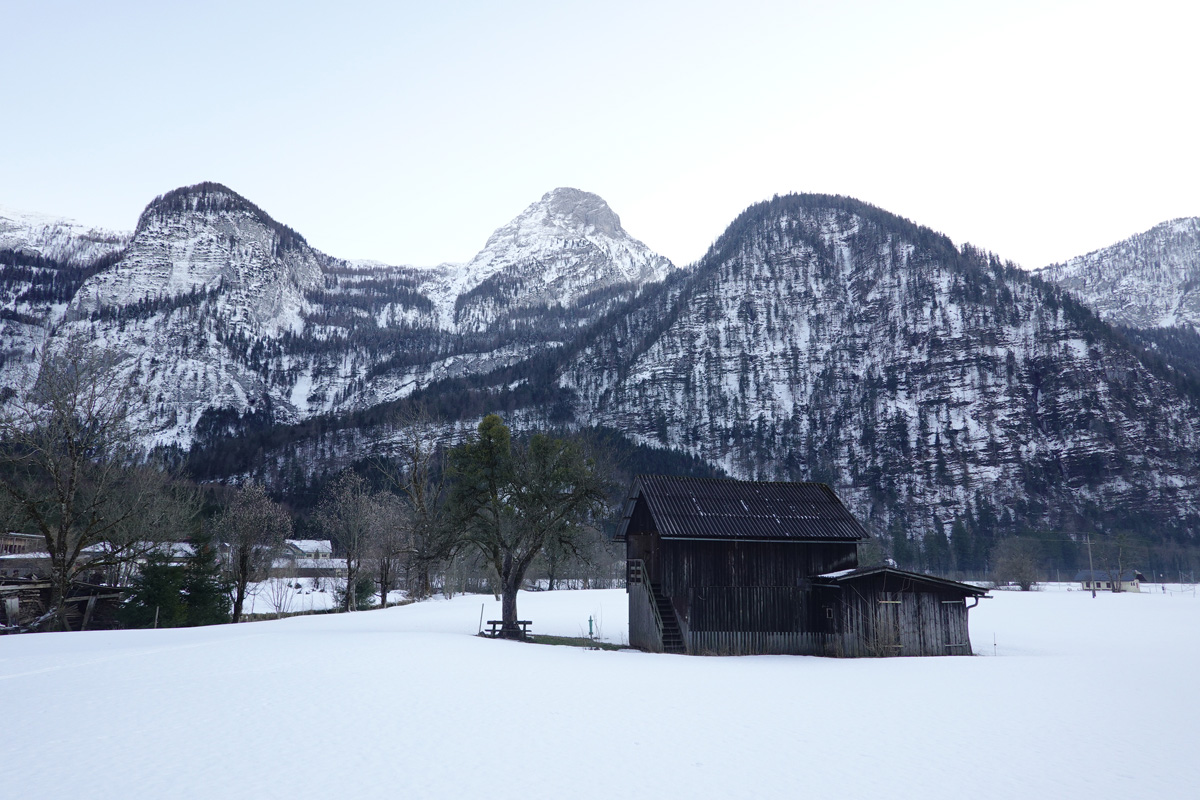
(720, 509)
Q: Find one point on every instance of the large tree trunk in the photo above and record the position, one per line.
(60, 582)
(385, 581)
(423, 584)
(508, 605)
(511, 577)
(241, 577)
(239, 598)
(350, 602)
(58, 603)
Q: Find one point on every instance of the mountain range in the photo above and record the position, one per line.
(952, 398)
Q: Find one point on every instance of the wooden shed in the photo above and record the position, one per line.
(883, 611)
(743, 567)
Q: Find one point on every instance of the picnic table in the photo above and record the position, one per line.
(497, 626)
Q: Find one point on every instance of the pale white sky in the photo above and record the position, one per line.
(407, 132)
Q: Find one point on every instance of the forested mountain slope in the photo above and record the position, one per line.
(821, 338)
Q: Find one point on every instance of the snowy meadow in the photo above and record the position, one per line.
(1068, 695)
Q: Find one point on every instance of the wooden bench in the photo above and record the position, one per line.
(497, 626)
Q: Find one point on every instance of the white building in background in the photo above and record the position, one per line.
(308, 558)
(309, 548)
(1104, 581)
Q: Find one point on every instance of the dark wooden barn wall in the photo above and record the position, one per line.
(736, 643)
(684, 565)
(755, 609)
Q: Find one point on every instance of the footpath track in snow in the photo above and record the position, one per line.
(1077, 697)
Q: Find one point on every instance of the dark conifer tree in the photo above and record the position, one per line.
(206, 595)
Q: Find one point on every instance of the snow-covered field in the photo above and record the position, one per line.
(1077, 697)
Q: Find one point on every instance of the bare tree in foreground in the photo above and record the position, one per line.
(511, 502)
(70, 471)
(416, 477)
(253, 528)
(388, 540)
(346, 515)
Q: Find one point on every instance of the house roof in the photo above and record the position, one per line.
(721, 509)
(904, 577)
(1127, 576)
(311, 547)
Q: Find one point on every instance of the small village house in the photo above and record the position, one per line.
(308, 558)
(1101, 580)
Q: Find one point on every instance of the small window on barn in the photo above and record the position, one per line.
(828, 612)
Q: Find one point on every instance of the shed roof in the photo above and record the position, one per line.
(722, 509)
(903, 577)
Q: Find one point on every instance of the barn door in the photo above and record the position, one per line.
(954, 628)
(887, 624)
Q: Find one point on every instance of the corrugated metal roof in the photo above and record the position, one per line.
(860, 573)
(713, 508)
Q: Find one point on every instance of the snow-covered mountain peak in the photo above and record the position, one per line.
(566, 247)
(210, 199)
(572, 209)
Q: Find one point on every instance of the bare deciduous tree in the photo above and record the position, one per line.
(417, 478)
(253, 528)
(388, 540)
(281, 591)
(345, 514)
(70, 470)
(1015, 560)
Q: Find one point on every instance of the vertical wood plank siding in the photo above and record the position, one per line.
(880, 620)
(686, 564)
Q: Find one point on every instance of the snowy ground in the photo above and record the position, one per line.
(1077, 697)
(300, 595)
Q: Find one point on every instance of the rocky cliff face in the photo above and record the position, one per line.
(197, 306)
(222, 313)
(43, 262)
(1151, 280)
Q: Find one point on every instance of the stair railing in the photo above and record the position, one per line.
(637, 577)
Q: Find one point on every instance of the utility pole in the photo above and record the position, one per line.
(1091, 569)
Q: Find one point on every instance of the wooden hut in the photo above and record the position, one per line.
(742, 567)
(883, 611)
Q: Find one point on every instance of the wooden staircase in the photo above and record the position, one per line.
(672, 637)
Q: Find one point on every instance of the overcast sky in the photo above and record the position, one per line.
(407, 132)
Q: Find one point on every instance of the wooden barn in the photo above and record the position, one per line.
(744, 567)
